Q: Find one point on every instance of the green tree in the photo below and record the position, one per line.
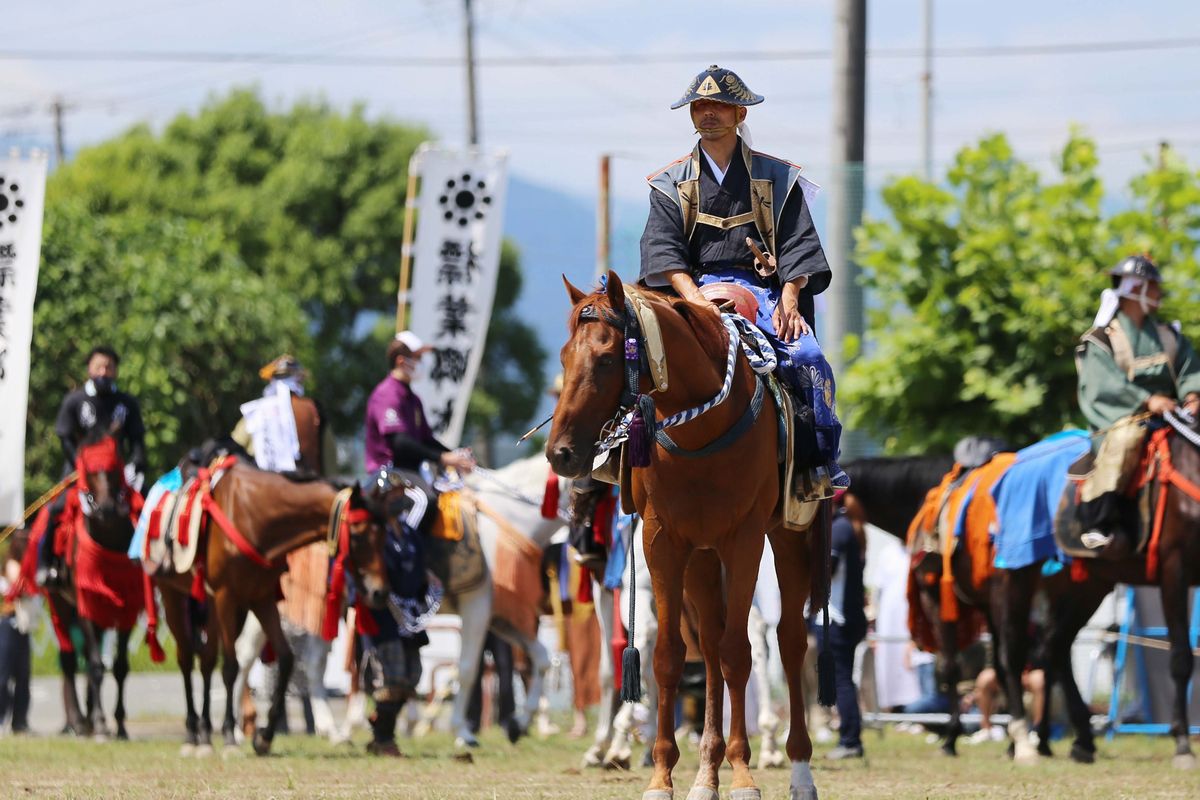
(983, 284)
(308, 199)
(190, 321)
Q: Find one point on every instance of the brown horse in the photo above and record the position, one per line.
(1172, 563)
(274, 515)
(704, 517)
(103, 591)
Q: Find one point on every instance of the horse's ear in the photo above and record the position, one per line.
(573, 292)
(356, 495)
(616, 291)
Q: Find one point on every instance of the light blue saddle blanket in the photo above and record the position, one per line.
(802, 365)
(1027, 498)
(171, 482)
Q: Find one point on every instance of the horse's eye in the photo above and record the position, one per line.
(606, 361)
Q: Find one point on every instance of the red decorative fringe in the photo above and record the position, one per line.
(550, 498)
(108, 586)
(584, 595)
(1079, 570)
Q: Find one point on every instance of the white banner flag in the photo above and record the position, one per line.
(22, 191)
(456, 262)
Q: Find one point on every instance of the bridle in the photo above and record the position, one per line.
(636, 415)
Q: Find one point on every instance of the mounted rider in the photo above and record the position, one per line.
(97, 404)
(398, 437)
(1130, 363)
(711, 211)
(295, 437)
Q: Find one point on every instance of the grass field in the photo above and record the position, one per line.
(898, 767)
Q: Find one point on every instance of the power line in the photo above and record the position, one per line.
(583, 60)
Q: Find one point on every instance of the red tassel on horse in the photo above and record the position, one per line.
(550, 498)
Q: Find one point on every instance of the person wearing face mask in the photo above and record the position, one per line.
(730, 214)
(397, 430)
(1129, 363)
(98, 403)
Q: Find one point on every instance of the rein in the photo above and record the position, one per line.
(1157, 464)
(636, 417)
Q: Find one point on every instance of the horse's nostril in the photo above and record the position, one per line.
(563, 454)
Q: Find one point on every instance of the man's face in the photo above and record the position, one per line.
(102, 366)
(406, 365)
(714, 120)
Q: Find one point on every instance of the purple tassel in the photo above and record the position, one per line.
(639, 450)
(641, 432)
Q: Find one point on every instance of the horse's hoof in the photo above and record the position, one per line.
(803, 793)
(622, 761)
(100, 738)
(1043, 748)
(466, 741)
(1184, 761)
(948, 751)
(513, 730)
(658, 794)
(1083, 755)
(204, 751)
(704, 793)
(187, 750)
(746, 793)
(1025, 753)
(262, 745)
(122, 735)
(772, 759)
(592, 758)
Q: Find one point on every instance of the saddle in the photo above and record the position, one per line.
(178, 520)
(1137, 518)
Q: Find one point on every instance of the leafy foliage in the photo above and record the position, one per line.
(238, 233)
(189, 320)
(985, 282)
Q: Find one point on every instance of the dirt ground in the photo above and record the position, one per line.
(897, 767)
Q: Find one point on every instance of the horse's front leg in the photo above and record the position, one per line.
(1174, 586)
(740, 557)
(95, 674)
(703, 594)
(268, 614)
(120, 672)
(173, 609)
(948, 673)
(1018, 588)
(668, 559)
(67, 663)
(609, 699)
(475, 610)
(224, 607)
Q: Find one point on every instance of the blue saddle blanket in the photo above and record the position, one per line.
(1027, 498)
(167, 483)
(802, 365)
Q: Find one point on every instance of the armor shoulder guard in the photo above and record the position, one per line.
(667, 179)
(1096, 336)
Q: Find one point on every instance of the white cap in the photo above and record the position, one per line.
(413, 343)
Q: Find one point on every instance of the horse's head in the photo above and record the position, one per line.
(367, 537)
(104, 496)
(593, 361)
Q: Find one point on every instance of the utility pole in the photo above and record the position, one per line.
(603, 215)
(927, 92)
(60, 150)
(844, 313)
(472, 110)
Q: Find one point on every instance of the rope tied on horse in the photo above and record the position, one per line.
(1157, 465)
(341, 517)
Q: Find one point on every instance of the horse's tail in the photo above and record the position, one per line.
(820, 540)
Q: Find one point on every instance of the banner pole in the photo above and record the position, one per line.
(36, 506)
(410, 214)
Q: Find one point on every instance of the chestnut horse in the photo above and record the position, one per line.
(274, 515)
(103, 590)
(704, 518)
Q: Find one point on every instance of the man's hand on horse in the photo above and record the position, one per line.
(1160, 404)
(461, 459)
(789, 323)
(1191, 404)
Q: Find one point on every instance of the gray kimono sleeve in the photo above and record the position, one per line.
(664, 247)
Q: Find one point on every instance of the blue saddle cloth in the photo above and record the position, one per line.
(802, 365)
(1027, 498)
(171, 482)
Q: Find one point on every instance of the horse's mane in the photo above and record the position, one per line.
(882, 478)
(709, 330)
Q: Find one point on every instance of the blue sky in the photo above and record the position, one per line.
(555, 121)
